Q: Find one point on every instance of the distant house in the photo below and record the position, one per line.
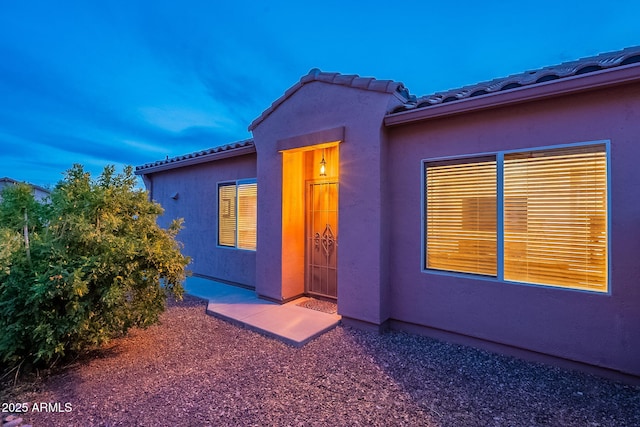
(40, 193)
(505, 214)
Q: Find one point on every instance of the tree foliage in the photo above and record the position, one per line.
(84, 267)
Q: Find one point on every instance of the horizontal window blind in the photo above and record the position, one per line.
(227, 215)
(247, 215)
(555, 212)
(461, 216)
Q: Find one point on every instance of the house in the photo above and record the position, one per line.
(504, 215)
(40, 193)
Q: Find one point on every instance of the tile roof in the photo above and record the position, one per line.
(350, 80)
(9, 181)
(528, 78)
(540, 77)
(202, 156)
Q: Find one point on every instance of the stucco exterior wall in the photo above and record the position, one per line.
(598, 329)
(197, 203)
(316, 107)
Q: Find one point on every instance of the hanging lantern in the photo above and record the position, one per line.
(323, 165)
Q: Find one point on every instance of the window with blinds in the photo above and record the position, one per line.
(227, 215)
(553, 211)
(237, 214)
(555, 204)
(247, 215)
(461, 216)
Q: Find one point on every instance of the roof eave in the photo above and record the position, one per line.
(570, 85)
(348, 80)
(249, 149)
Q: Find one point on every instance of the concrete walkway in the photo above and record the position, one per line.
(287, 322)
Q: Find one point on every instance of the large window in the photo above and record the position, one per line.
(237, 214)
(536, 216)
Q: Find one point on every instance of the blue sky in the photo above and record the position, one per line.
(130, 82)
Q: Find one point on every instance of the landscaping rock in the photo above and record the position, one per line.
(194, 369)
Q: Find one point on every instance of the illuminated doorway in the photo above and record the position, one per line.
(310, 176)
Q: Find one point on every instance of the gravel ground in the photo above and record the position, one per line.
(196, 370)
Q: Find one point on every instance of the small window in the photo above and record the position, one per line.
(237, 214)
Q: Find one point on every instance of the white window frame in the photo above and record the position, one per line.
(499, 155)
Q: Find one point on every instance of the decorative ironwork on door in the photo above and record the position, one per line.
(322, 239)
(327, 240)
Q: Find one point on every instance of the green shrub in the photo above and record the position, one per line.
(83, 268)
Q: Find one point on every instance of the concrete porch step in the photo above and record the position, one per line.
(287, 322)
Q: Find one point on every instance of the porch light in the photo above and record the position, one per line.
(323, 165)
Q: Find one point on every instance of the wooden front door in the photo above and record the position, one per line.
(322, 239)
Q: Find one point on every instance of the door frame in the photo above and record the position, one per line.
(308, 247)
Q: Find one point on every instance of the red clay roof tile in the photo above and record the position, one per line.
(349, 80)
(592, 64)
(205, 155)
